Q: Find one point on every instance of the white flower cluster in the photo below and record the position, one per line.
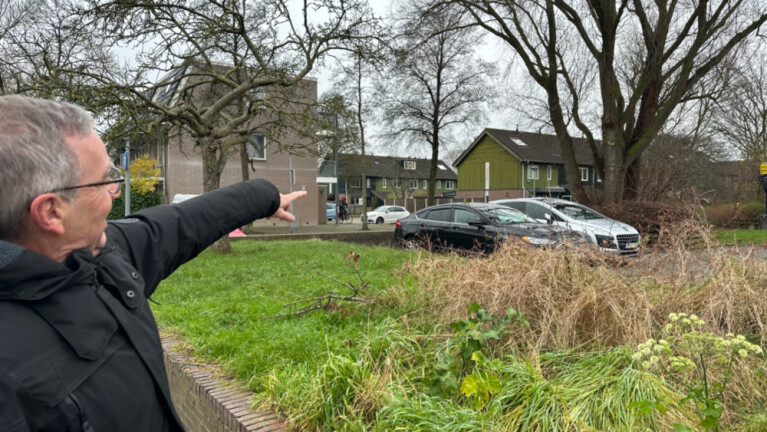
(670, 354)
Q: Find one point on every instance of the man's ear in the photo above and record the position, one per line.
(47, 212)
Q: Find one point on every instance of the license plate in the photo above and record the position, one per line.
(633, 245)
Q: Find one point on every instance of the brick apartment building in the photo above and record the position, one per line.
(181, 161)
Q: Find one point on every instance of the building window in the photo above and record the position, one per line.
(395, 183)
(167, 93)
(258, 92)
(532, 172)
(548, 172)
(256, 147)
(426, 184)
(413, 184)
(368, 182)
(409, 165)
(439, 184)
(596, 174)
(355, 183)
(449, 184)
(584, 174)
(383, 183)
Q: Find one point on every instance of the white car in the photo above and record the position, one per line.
(387, 214)
(608, 234)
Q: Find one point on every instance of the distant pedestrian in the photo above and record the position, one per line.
(343, 209)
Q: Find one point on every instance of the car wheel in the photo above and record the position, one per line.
(410, 243)
(379, 221)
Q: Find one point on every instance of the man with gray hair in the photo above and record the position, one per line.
(79, 347)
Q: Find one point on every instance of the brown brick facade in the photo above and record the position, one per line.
(183, 175)
(182, 160)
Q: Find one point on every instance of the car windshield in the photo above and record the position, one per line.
(380, 209)
(578, 212)
(506, 216)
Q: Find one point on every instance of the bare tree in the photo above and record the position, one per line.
(226, 54)
(679, 167)
(650, 57)
(741, 116)
(223, 64)
(337, 126)
(13, 14)
(353, 81)
(337, 132)
(436, 83)
(39, 40)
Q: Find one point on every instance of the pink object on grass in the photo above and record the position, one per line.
(237, 233)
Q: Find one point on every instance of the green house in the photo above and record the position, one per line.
(512, 164)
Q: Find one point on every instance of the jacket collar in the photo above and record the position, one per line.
(27, 275)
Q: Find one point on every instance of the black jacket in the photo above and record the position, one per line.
(79, 347)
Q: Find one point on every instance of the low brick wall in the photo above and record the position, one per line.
(371, 238)
(208, 403)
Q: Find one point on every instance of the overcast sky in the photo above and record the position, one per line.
(492, 50)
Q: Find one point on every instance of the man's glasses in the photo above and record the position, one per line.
(113, 184)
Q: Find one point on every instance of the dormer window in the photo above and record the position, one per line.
(409, 165)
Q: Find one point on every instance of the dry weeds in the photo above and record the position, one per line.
(582, 296)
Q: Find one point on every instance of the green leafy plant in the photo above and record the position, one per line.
(481, 383)
(471, 336)
(700, 363)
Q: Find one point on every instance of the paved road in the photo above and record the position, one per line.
(330, 227)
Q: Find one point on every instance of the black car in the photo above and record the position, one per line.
(472, 227)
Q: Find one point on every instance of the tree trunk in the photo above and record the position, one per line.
(633, 180)
(361, 126)
(434, 163)
(615, 172)
(244, 161)
(213, 160)
(568, 152)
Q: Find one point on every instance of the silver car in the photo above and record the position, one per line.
(608, 234)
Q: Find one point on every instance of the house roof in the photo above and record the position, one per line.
(391, 167)
(532, 147)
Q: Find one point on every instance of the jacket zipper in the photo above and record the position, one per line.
(86, 425)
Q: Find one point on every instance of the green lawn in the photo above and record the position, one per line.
(742, 237)
(217, 303)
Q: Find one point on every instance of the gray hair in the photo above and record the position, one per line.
(34, 158)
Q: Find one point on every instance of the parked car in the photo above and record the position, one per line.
(472, 226)
(386, 214)
(608, 234)
(331, 211)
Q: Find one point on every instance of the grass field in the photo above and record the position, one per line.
(742, 237)
(418, 357)
(218, 302)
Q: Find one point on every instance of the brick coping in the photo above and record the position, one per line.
(229, 404)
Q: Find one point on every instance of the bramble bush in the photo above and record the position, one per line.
(737, 215)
